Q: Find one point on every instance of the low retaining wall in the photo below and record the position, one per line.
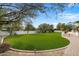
(34, 53)
(2, 33)
(25, 32)
(29, 51)
(51, 52)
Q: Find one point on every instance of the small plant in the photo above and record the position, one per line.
(4, 47)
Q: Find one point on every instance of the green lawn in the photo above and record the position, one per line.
(43, 41)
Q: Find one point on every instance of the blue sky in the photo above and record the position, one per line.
(70, 14)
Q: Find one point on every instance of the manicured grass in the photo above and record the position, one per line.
(43, 41)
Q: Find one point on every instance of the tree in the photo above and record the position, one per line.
(64, 27)
(43, 28)
(17, 12)
(29, 27)
(69, 27)
(51, 28)
(58, 26)
(58, 8)
(2, 20)
(77, 26)
(12, 27)
(77, 22)
(61, 26)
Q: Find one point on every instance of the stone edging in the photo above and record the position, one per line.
(28, 51)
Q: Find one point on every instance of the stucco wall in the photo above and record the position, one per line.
(25, 32)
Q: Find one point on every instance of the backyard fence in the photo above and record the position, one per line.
(25, 32)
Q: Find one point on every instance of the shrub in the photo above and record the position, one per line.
(4, 47)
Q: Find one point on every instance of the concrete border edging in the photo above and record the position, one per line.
(40, 51)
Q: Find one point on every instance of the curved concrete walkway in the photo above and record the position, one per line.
(73, 48)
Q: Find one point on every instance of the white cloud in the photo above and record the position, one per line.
(69, 16)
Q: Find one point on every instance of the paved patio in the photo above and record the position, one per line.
(73, 48)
